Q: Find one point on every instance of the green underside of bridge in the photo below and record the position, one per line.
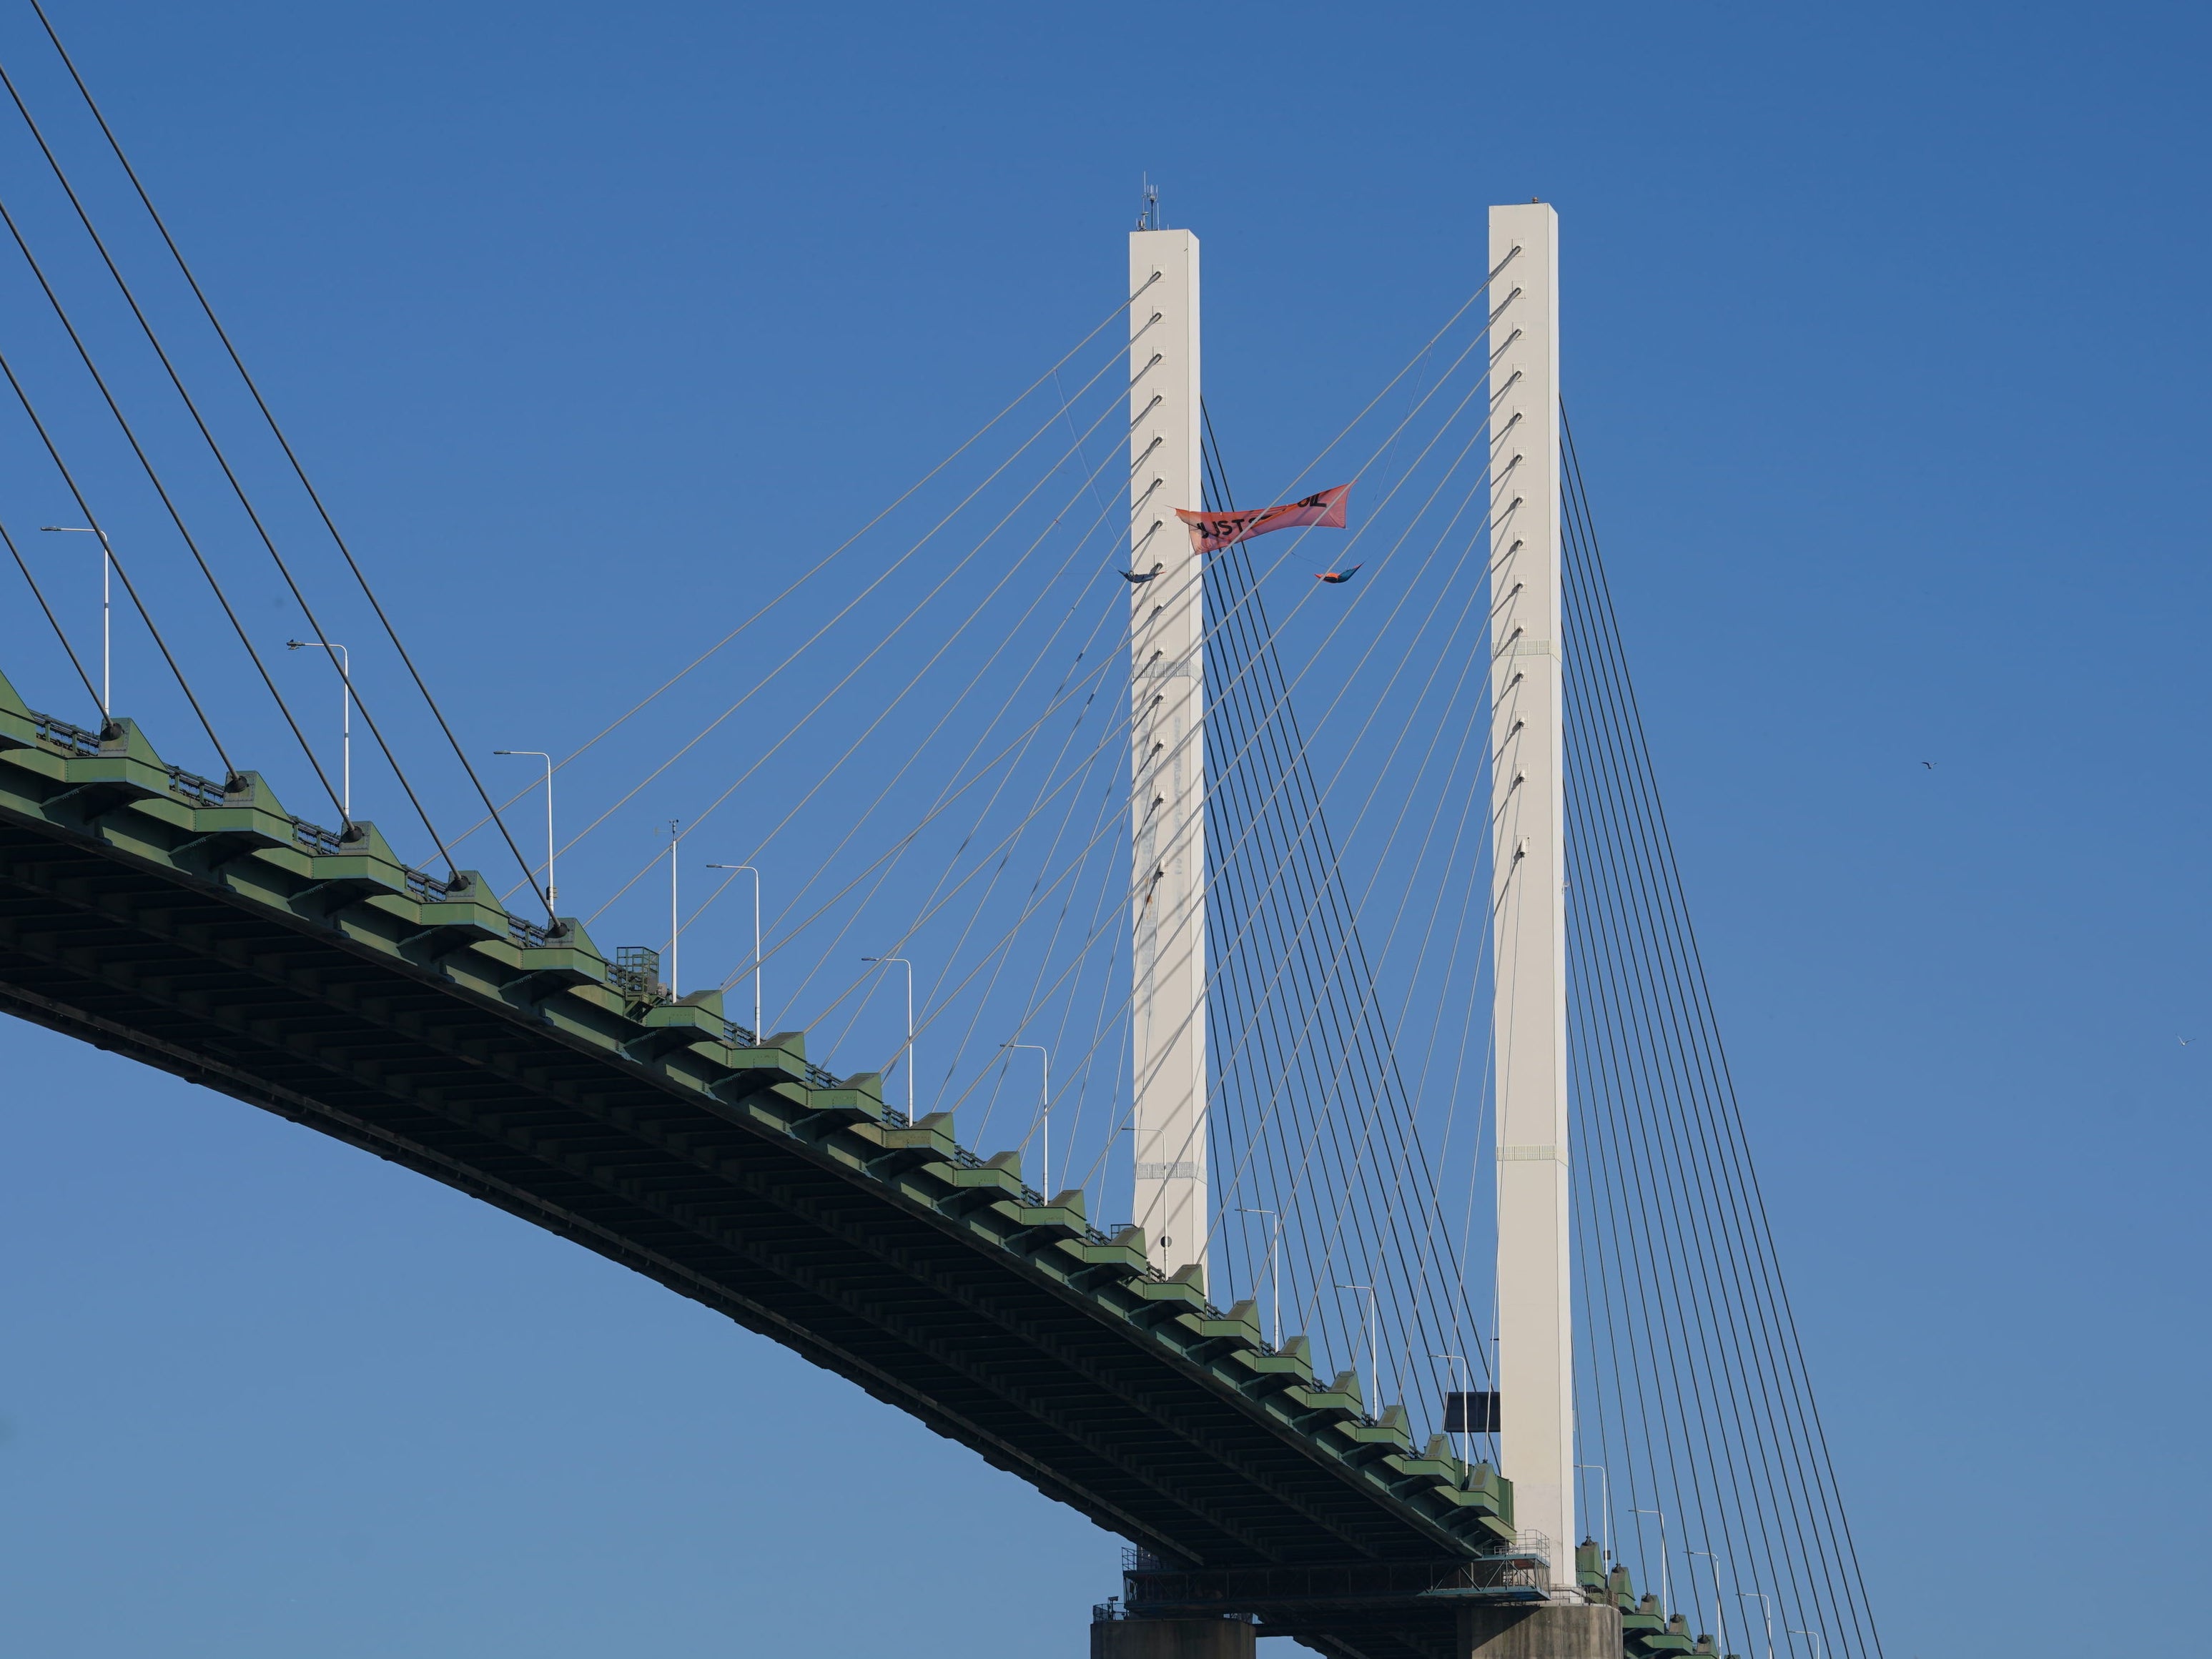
(209, 933)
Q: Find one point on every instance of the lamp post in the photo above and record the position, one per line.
(539, 754)
(1720, 1630)
(343, 664)
(675, 926)
(754, 874)
(905, 1049)
(1044, 1113)
(1819, 1646)
(1767, 1608)
(1373, 1351)
(1605, 1509)
(1666, 1590)
(107, 609)
(1275, 1282)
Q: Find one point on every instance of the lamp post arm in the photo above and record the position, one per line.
(748, 869)
(551, 890)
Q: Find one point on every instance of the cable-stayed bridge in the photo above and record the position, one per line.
(1243, 1065)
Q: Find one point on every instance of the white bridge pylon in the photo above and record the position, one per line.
(1535, 1329)
(1167, 734)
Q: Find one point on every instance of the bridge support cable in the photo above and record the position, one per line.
(1313, 935)
(1285, 757)
(825, 561)
(138, 600)
(972, 687)
(1005, 767)
(1072, 787)
(1676, 1338)
(964, 778)
(1701, 1402)
(298, 470)
(223, 461)
(851, 670)
(1324, 995)
(160, 490)
(1111, 889)
(988, 769)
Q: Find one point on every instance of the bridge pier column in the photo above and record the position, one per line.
(1558, 1629)
(1183, 1638)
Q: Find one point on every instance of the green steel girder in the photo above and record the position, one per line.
(228, 945)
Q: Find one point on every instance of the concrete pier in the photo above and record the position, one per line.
(1186, 1638)
(1557, 1631)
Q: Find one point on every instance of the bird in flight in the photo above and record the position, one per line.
(1344, 575)
(2185, 1042)
(1930, 765)
(1132, 576)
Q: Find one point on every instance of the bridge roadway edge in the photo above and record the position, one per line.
(823, 1219)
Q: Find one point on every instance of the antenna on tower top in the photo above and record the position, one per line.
(1149, 218)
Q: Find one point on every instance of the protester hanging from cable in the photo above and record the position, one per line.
(1343, 575)
(1132, 576)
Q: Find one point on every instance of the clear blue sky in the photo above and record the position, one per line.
(1886, 344)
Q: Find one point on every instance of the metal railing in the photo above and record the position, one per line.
(635, 972)
(319, 842)
(201, 791)
(72, 739)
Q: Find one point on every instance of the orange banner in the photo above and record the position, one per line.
(1211, 532)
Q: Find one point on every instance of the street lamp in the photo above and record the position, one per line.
(106, 585)
(906, 1047)
(754, 874)
(1720, 1630)
(1373, 1351)
(539, 754)
(1275, 1280)
(1605, 1509)
(1044, 1113)
(343, 664)
(1819, 1646)
(675, 926)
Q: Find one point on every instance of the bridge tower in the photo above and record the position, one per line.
(1167, 733)
(1535, 1333)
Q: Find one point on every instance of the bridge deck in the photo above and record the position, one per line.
(214, 936)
